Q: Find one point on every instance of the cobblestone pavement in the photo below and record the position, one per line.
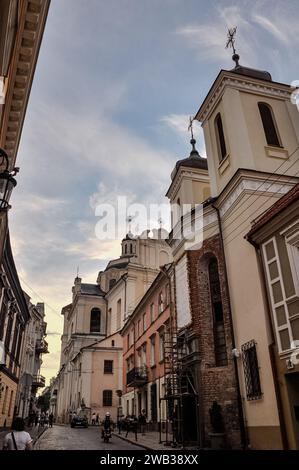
(67, 438)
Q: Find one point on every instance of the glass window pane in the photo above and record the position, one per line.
(273, 270)
(295, 328)
(293, 308)
(270, 253)
(277, 292)
(284, 339)
(280, 315)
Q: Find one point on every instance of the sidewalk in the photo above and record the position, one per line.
(150, 441)
(35, 432)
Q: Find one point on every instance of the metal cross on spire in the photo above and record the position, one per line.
(231, 39)
(190, 127)
(129, 220)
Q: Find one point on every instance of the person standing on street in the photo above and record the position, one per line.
(93, 419)
(18, 438)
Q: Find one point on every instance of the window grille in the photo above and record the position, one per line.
(251, 371)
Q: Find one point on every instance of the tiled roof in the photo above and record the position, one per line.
(287, 199)
(91, 289)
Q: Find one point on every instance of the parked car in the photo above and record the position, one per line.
(79, 420)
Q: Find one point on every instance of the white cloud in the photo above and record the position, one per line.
(269, 26)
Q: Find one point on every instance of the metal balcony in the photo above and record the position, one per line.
(137, 377)
(38, 381)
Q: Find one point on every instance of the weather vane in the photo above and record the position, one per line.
(190, 127)
(129, 220)
(231, 39)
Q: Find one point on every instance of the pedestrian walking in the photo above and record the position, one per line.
(131, 425)
(51, 419)
(93, 419)
(142, 422)
(18, 438)
(42, 419)
(97, 420)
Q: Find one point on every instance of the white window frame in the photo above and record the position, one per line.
(285, 300)
(291, 235)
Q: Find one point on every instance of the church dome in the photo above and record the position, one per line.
(254, 73)
(193, 161)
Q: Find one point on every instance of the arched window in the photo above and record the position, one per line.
(95, 320)
(220, 137)
(131, 248)
(269, 124)
(126, 249)
(218, 324)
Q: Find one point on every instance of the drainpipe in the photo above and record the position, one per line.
(244, 439)
(274, 368)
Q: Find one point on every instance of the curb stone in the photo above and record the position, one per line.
(136, 443)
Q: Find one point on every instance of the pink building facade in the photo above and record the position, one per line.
(143, 353)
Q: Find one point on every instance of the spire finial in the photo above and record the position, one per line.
(231, 38)
(190, 128)
(129, 220)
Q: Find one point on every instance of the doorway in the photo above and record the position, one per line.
(292, 381)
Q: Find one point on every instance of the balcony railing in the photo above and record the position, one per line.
(137, 377)
(41, 346)
(38, 381)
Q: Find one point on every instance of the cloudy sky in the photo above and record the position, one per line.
(108, 116)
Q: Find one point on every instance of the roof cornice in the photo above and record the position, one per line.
(227, 79)
(32, 19)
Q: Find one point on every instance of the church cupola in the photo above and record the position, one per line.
(128, 245)
(190, 183)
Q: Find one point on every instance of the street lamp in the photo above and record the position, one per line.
(7, 182)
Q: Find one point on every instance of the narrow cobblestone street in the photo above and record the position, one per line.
(66, 438)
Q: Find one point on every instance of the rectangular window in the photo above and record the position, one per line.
(251, 371)
(152, 313)
(107, 397)
(128, 341)
(285, 308)
(161, 347)
(143, 355)
(167, 291)
(109, 316)
(153, 359)
(10, 403)
(108, 367)
(118, 314)
(139, 328)
(144, 322)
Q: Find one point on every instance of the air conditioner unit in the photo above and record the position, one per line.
(290, 365)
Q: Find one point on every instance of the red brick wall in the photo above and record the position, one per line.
(215, 383)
